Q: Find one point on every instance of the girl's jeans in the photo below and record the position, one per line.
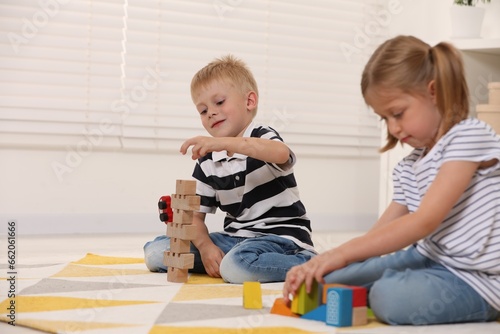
(263, 259)
(408, 288)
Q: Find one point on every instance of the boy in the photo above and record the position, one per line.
(246, 171)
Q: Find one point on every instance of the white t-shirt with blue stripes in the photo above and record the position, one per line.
(468, 241)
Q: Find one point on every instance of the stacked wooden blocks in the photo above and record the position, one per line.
(181, 231)
(490, 113)
(335, 304)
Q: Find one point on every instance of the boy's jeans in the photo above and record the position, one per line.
(263, 259)
(408, 288)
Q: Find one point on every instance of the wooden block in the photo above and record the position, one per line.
(177, 275)
(494, 93)
(304, 302)
(185, 202)
(325, 287)
(184, 232)
(318, 314)
(339, 307)
(252, 295)
(183, 217)
(179, 246)
(281, 308)
(181, 261)
(359, 316)
(185, 187)
(359, 293)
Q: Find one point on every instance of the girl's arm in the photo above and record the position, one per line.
(271, 151)
(393, 211)
(450, 183)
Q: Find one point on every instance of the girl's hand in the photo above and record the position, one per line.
(313, 269)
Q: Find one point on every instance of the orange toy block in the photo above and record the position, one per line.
(181, 261)
(185, 187)
(325, 288)
(183, 217)
(282, 308)
(252, 295)
(177, 275)
(179, 246)
(185, 202)
(184, 232)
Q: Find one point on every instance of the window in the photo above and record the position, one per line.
(115, 74)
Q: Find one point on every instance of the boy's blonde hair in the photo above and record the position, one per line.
(408, 64)
(227, 69)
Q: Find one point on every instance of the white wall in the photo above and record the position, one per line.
(430, 21)
(110, 192)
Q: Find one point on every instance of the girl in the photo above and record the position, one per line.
(442, 229)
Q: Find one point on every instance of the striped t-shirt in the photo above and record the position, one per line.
(259, 198)
(468, 241)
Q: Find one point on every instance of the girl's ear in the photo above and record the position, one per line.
(431, 89)
(252, 100)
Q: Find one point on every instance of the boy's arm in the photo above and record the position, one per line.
(271, 151)
(211, 255)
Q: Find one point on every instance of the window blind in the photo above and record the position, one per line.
(115, 74)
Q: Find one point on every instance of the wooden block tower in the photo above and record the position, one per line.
(181, 231)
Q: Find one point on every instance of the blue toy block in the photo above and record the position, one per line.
(339, 307)
(319, 314)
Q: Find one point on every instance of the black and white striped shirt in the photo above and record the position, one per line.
(259, 198)
(468, 241)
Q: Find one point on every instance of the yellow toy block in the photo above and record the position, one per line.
(303, 302)
(252, 295)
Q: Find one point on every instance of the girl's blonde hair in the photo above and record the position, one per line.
(227, 69)
(408, 64)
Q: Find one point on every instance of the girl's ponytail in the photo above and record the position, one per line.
(452, 93)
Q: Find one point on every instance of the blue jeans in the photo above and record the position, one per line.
(263, 259)
(407, 288)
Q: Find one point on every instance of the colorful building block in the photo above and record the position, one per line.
(359, 316)
(319, 314)
(282, 308)
(339, 307)
(304, 302)
(252, 295)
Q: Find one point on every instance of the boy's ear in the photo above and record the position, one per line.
(252, 100)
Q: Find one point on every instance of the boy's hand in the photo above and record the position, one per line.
(202, 145)
(211, 256)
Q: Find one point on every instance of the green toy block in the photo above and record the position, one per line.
(304, 302)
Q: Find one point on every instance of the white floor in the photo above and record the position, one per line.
(48, 249)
